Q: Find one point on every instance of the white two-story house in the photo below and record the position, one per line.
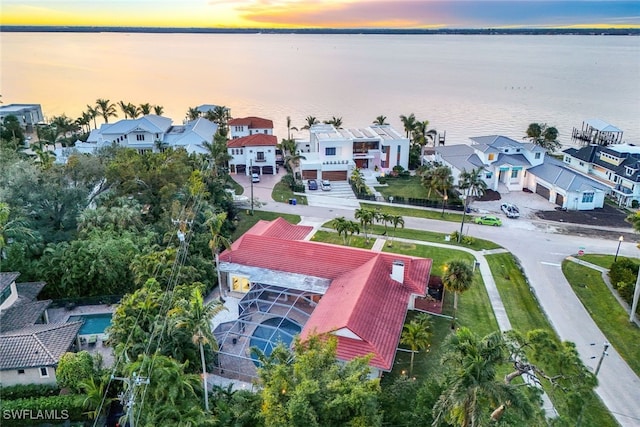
(248, 126)
(253, 154)
(508, 165)
(617, 166)
(334, 153)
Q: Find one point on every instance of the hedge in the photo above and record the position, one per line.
(40, 410)
(25, 391)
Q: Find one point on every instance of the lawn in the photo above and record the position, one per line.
(418, 213)
(245, 220)
(334, 238)
(611, 318)
(282, 193)
(409, 187)
(604, 261)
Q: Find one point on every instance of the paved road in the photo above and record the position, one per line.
(541, 252)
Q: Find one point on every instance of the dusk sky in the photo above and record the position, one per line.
(324, 13)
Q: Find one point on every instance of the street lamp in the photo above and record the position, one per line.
(605, 347)
(444, 202)
(620, 240)
(251, 178)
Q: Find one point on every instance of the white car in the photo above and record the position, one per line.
(255, 177)
(326, 185)
(511, 211)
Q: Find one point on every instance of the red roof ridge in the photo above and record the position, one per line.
(255, 140)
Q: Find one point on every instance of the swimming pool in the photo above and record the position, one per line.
(271, 332)
(93, 323)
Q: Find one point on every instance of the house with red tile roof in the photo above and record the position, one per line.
(253, 154)
(359, 296)
(247, 126)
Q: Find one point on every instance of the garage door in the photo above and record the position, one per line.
(267, 170)
(559, 199)
(335, 175)
(241, 169)
(543, 191)
(310, 174)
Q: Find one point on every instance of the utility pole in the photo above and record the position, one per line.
(464, 213)
(128, 397)
(605, 347)
(634, 303)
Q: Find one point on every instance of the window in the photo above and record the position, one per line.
(514, 173)
(492, 156)
(260, 156)
(44, 373)
(398, 158)
(20, 371)
(489, 175)
(581, 163)
(265, 131)
(567, 159)
(506, 150)
(537, 156)
(241, 151)
(587, 197)
(237, 128)
(517, 150)
(330, 151)
(140, 137)
(5, 294)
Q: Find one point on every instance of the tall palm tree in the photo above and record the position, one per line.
(409, 123)
(106, 109)
(93, 112)
(289, 127)
(357, 180)
(311, 120)
(442, 181)
(12, 228)
(345, 228)
(417, 335)
(380, 120)
(457, 278)
(145, 108)
(215, 222)
(335, 121)
(220, 115)
(195, 317)
(396, 220)
(543, 135)
(134, 111)
(472, 185)
(193, 113)
(292, 161)
(366, 217)
(125, 108)
(158, 110)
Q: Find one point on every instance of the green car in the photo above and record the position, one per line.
(488, 220)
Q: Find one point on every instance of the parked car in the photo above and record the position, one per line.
(313, 184)
(326, 185)
(511, 211)
(255, 177)
(488, 220)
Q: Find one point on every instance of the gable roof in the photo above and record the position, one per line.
(38, 345)
(25, 310)
(149, 123)
(6, 279)
(362, 298)
(255, 140)
(602, 126)
(629, 153)
(460, 156)
(252, 122)
(555, 172)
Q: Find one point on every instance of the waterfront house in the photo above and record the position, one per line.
(359, 296)
(616, 166)
(30, 347)
(247, 126)
(508, 165)
(255, 153)
(334, 153)
(28, 115)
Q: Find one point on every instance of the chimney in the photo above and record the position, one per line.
(397, 271)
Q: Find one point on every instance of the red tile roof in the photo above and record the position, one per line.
(362, 297)
(252, 122)
(255, 140)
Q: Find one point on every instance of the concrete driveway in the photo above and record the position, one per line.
(527, 203)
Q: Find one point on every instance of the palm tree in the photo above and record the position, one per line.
(544, 136)
(380, 120)
(357, 181)
(158, 110)
(193, 113)
(215, 222)
(384, 218)
(634, 219)
(421, 135)
(457, 278)
(292, 161)
(442, 180)
(472, 185)
(219, 115)
(125, 109)
(310, 122)
(196, 317)
(409, 123)
(335, 121)
(289, 127)
(366, 217)
(396, 220)
(93, 112)
(345, 228)
(145, 109)
(417, 335)
(133, 111)
(94, 392)
(11, 229)
(106, 109)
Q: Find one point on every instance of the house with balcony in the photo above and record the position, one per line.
(508, 165)
(616, 166)
(255, 153)
(247, 126)
(334, 153)
(30, 346)
(358, 296)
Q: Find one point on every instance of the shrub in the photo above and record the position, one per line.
(635, 204)
(74, 368)
(623, 270)
(382, 179)
(23, 391)
(61, 407)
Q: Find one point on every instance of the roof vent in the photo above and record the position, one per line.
(397, 271)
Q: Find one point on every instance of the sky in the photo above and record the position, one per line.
(324, 13)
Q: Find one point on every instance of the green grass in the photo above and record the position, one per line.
(418, 213)
(245, 220)
(331, 237)
(603, 261)
(282, 193)
(406, 187)
(611, 318)
(525, 314)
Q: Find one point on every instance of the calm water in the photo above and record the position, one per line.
(464, 85)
